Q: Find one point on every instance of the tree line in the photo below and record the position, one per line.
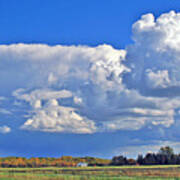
(164, 156)
(64, 161)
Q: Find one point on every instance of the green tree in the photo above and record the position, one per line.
(140, 159)
(168, 151)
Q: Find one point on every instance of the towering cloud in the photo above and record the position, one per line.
(81, 89)
(154, 57)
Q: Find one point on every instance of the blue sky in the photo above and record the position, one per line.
(75, 21)
(89, 78)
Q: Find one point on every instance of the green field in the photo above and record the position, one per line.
(171, 172)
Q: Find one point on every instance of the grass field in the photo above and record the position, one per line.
(170, 172)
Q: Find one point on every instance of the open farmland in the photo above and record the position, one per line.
(92, 173)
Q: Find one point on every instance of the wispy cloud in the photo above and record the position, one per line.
(5, 129)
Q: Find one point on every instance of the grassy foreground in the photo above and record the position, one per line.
(170, 172)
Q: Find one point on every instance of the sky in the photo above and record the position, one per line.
(89, 78)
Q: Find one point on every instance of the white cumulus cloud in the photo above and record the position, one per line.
(81, 89)
(154, 58)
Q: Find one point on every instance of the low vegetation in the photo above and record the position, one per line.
(93, 173)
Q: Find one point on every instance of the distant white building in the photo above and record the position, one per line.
(82, 164)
